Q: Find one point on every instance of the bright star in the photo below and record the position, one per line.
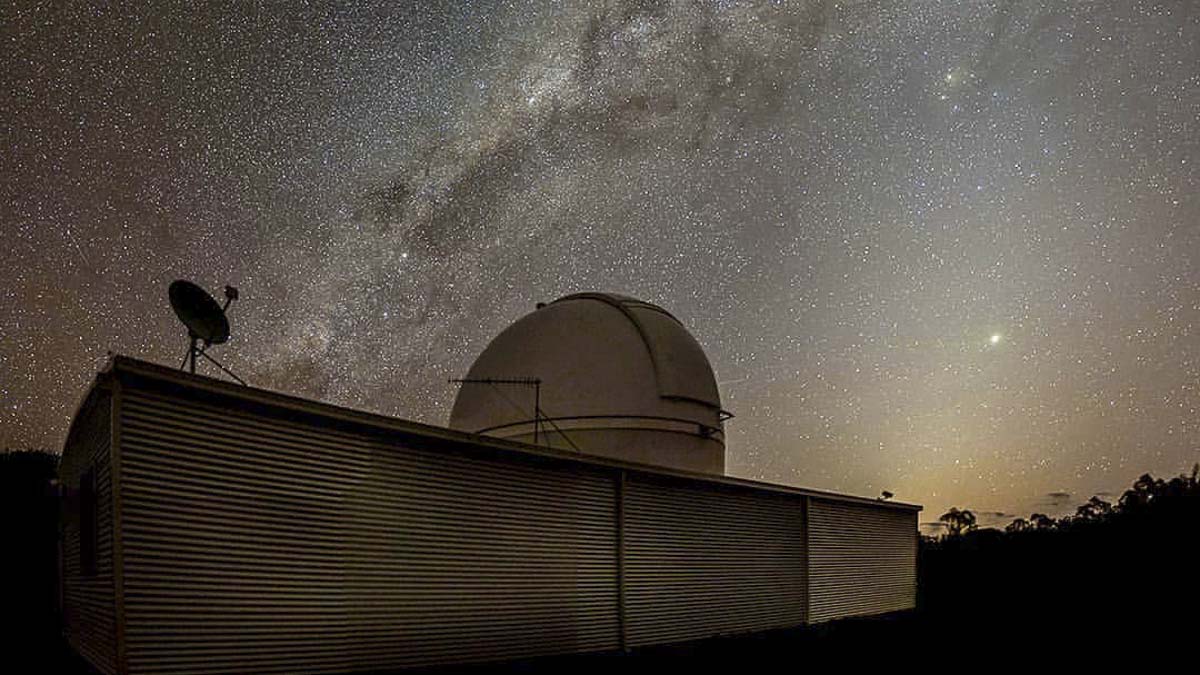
(995, 339)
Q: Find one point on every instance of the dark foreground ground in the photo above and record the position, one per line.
(748, 653)
(909, 640)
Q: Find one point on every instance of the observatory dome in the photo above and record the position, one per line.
(618, 378)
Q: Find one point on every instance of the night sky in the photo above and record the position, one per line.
(942, 248)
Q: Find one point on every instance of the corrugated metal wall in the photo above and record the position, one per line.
(268, 539)
(89, 618)
(862, 560)
(261, 545)
(703, 560)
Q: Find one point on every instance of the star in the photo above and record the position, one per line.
(832, 198)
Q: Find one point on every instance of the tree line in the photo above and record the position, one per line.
(1143, 497)
(1110, 578)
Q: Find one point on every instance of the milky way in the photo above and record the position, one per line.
(939, 248)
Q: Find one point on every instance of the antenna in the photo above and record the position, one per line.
(534, 382)
(205, 320)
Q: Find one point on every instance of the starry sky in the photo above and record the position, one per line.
(944, 248)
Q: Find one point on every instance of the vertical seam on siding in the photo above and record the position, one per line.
(806, 510)
(916, 560)
(622, 637)
(118, 548)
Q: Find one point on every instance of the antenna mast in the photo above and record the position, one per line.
(534, 382)
(205, 320)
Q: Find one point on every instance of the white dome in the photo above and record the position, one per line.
(619, 378)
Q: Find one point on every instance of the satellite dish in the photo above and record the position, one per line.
(205, 320)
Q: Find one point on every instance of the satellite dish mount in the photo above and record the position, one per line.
(205, 320)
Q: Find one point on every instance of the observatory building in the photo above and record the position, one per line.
(576, 503)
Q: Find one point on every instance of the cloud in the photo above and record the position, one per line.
(992, 518)
(1054, 503)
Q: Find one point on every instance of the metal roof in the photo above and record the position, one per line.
(123, 367)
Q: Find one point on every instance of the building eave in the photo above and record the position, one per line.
(124, 366)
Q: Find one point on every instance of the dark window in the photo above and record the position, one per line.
(87, 523)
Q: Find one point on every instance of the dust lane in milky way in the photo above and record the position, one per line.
(939, 248)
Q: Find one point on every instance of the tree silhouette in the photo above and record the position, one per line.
(1141, 493)
(1133, 560)
(1019, 525)
(1041, 521)
(29, 565)
(1147, 490)
(1095, 509)
(958, 521)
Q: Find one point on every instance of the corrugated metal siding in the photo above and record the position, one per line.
(88, 601)
(254, 544)
(703, 561)
(862, 560)
(299, 539)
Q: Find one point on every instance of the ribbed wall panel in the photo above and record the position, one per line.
(265, 534)
(88, 601)
(256, 544)
(863, 560)
(702, 560)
